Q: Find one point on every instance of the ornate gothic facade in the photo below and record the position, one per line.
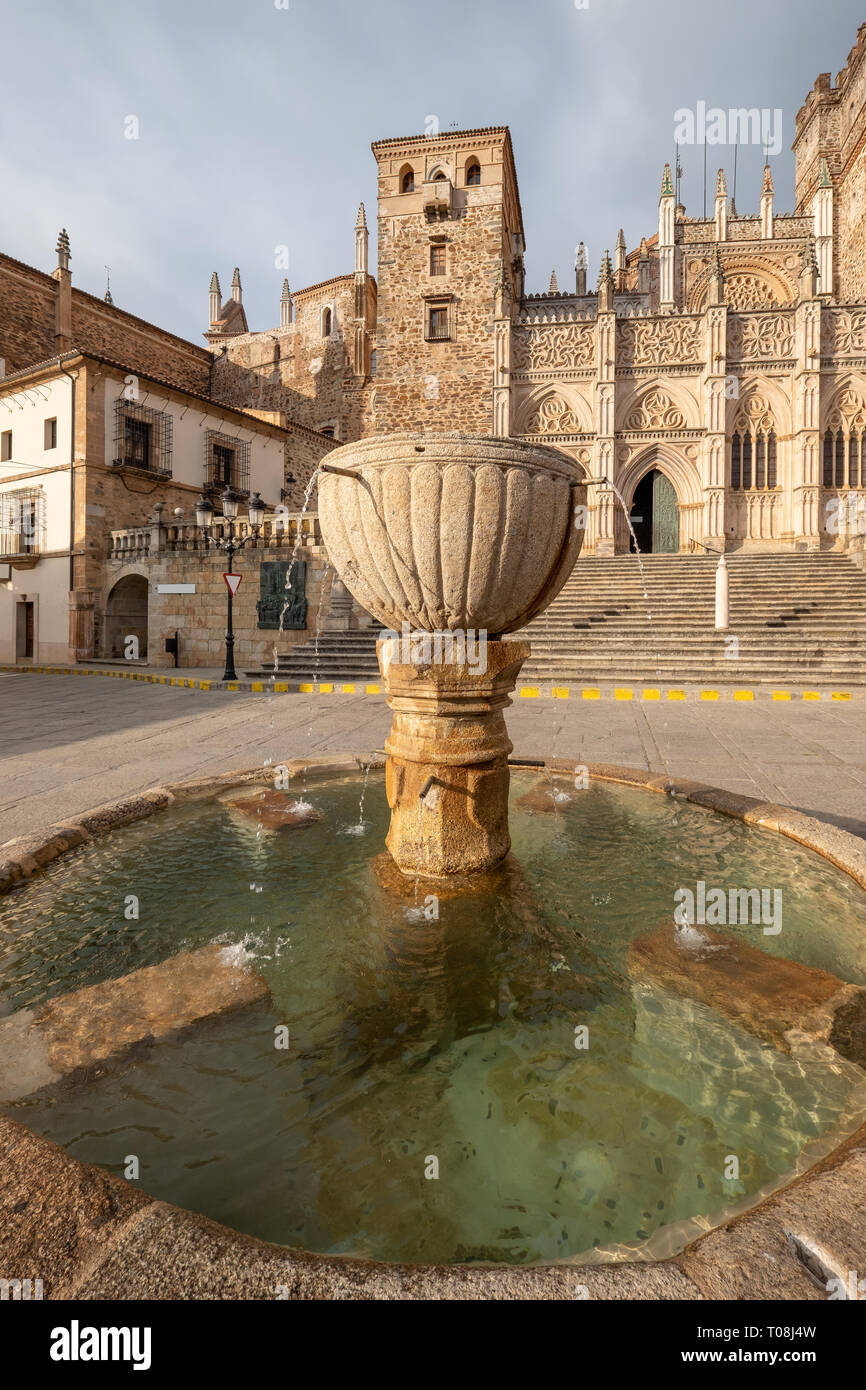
(726, 354)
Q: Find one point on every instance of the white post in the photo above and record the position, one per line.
(722, 594)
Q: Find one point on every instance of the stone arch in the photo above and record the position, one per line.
(406, 177)
(683, 476)
(845, 406)
(659, 404)
(126, 614)
(760, 398)
(550, 410)
(749, 283)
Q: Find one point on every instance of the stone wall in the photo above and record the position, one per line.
(200, 618)
(310, 378)
(28, 324)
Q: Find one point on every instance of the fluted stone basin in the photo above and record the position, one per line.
(451, 531)
(441, 534)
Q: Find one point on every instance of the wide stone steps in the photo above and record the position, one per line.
(799, 620)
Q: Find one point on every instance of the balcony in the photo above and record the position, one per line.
(438, 199)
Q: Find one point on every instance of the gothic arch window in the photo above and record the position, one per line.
(437, 174)
(473, 173)
(754, 460)
(844, 457)
(407, 179)
(327, 322)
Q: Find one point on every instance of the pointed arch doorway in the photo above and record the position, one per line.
(655, 515)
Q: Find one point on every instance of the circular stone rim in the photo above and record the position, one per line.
(191, 1256)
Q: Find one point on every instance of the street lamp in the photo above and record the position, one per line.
(230, 543)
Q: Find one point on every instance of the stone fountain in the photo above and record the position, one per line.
(451, 541)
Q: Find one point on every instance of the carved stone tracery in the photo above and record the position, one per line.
(656, 411)
(557, 347)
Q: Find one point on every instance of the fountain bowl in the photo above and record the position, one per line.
(452, 531)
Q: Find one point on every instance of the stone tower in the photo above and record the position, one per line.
(451, 249)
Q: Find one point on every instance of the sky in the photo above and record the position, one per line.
(253, 121)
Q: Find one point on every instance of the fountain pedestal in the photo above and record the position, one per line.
(449, 740)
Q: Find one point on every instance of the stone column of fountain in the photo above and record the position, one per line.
(451, 541)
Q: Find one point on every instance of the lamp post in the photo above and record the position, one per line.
(230, 543)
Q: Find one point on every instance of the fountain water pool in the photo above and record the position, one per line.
(446, 1035)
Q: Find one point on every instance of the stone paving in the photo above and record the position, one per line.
(68, 745)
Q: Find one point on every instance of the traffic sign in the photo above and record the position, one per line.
(233, 582)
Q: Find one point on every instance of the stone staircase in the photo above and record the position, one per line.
(799, 620)
(337, 656)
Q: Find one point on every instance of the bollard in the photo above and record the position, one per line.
(722, 594)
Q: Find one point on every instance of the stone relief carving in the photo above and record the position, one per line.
(559, 347)
(656, 411)
(760, 336)
(755, 416)
(846, 332)
(663, 341)
(848, 412)
(747, 291)
(554, 416)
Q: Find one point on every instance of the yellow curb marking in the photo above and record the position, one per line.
(781, 695)
(281, 687)
(560, 692)
(709, 694)
(744, 695)
(676, 694)
(305, 689)
(622, 693)
(204, 685)
(529, 692)
(811, 695)
(348, 689)
(373, 689)
(839, 695)
(651, 695)
(590, 694)
(257, 685)
(326, 689)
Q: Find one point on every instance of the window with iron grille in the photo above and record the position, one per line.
(438, 322)
(22, 522)
(227, 462)
(142, 437)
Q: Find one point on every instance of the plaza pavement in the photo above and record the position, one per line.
(67, 745)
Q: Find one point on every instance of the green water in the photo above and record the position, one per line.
(452, 1039)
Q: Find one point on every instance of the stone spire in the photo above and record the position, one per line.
(63, 303)
(721, 207)
(666, 241)
(362, 239)
(580, 269)
(605, 285)
(62, 249)
(236, 286)
(619, 260)
(643, 267)
(823, 213)
(215, 297)
(767, 204)
(285, 306)
(553, 287)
